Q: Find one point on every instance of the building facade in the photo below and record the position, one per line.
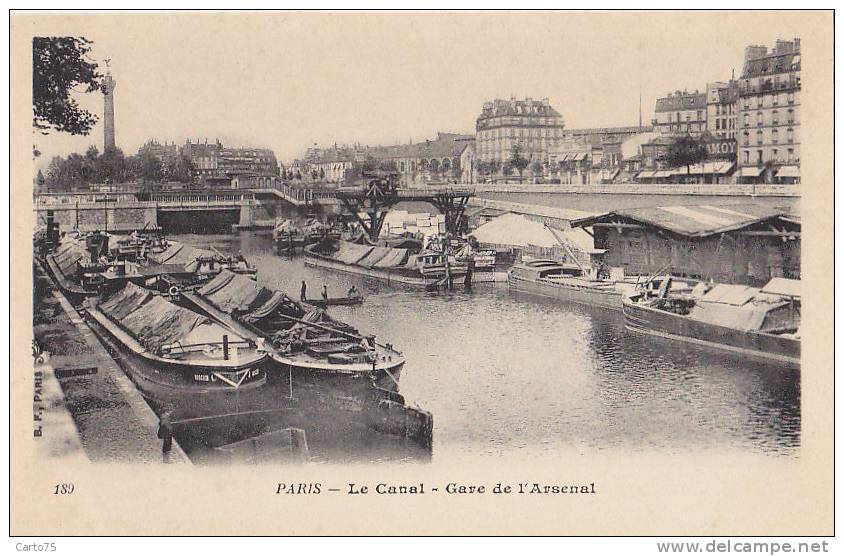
(769, 113)
(680, 113)
(534, 125)
(437, 160)
(722, 109)
(214, 161)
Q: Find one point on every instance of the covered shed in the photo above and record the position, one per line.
(733, 244)
(518, 233)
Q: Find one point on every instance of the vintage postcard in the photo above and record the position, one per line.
(421, 273)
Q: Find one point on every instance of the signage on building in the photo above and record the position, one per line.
(721, 148)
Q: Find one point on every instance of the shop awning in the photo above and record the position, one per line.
(751, 171)
(788, 172)
(647, 174)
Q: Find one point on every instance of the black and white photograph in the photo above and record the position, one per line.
(398, 255)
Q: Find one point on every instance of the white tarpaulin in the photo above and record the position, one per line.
(519, 231)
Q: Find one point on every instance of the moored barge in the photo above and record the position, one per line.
(299, 338)
(180, 352)
(759, 323)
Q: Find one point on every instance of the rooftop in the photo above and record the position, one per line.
(681, 100)
(692, 220)
(513, 107)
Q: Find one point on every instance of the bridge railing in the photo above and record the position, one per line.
(195, 198)
(303, 195)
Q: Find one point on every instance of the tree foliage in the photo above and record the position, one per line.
(685, 151)
(113, 167)
(59, 65)
(517, 161)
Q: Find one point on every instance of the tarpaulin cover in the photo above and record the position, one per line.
(374, 256)
(267, 308)
(730, 294)
(159, 322)
(746, 317)
(179, 253)
(122, 303)
(68, 255)
(351, 253)
(238, 293)
(167, 254)
(220, 281)
(411, 262)
(782, 286)
(394, 259)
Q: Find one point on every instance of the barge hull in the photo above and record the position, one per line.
(583, 296)
(758, 345)
(165, 379)
(478, 277)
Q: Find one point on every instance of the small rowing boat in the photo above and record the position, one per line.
(348, 300)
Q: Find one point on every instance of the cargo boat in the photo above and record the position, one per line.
(566, 282)
(299, 338)
(388, 264)
(201, 261)
(75, 264)
(759, 323)
(181, 352)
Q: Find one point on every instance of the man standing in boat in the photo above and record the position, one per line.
(303, 292)
(324, 292)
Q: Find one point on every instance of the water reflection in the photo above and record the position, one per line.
(504, 372)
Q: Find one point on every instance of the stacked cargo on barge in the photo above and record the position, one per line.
(185, 352)
(403, 265)
(763, 323)
(299, 338)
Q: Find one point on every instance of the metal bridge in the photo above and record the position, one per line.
(380, 193)
(126, 210)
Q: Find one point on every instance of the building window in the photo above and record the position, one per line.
(790, 135)
(746, 156)
(790, 115)
(759, 137)
(774, 136)
(759, 101)
(775, 117)
(747, 120)
(688, 117)
(759, 120)
(758, 157)
(717, 124)
(776, 99)
(791, 155)
(746, 140)
(699, 115)
(775, 155)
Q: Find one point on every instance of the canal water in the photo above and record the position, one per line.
(503, 372)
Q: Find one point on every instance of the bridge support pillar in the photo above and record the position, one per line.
(245, 216)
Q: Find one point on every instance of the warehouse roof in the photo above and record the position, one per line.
(692, 220)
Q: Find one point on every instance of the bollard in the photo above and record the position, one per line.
(299, 444)
(226, 347)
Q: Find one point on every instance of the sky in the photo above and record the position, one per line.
(288, 80)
